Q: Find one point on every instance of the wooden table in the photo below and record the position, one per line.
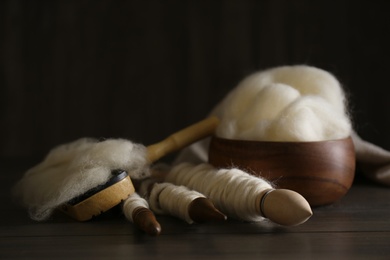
(356, 227)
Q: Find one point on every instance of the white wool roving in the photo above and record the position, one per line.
(289, 103)
(72, 169)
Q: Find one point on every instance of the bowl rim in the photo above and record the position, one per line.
(215, 137)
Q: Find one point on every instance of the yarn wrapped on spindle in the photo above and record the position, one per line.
(241, 195)
(136, 209)
(133, 202)
(289, 103)
(169, 199)
(233, 191)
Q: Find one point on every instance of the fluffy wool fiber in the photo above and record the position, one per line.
(72, 169)
(288, 103)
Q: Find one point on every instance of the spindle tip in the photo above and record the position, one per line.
(145, 220)
(285, 207)
(203, 210)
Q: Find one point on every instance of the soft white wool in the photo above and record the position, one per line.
(72, 169)
(290, 103)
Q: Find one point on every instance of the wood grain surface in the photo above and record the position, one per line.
(355, 227)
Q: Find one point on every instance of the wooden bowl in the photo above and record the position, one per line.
(322, 172)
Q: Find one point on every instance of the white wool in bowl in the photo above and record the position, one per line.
(289, 103)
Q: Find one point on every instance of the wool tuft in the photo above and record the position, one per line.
(70, 170)
(289, 103)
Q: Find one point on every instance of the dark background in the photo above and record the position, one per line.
(143, 69)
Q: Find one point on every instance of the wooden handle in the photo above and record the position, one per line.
(182, 138)
(145, 220)
(203, 210)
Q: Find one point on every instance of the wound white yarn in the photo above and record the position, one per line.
(233, 191)
(131, 203)
(169, 199)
